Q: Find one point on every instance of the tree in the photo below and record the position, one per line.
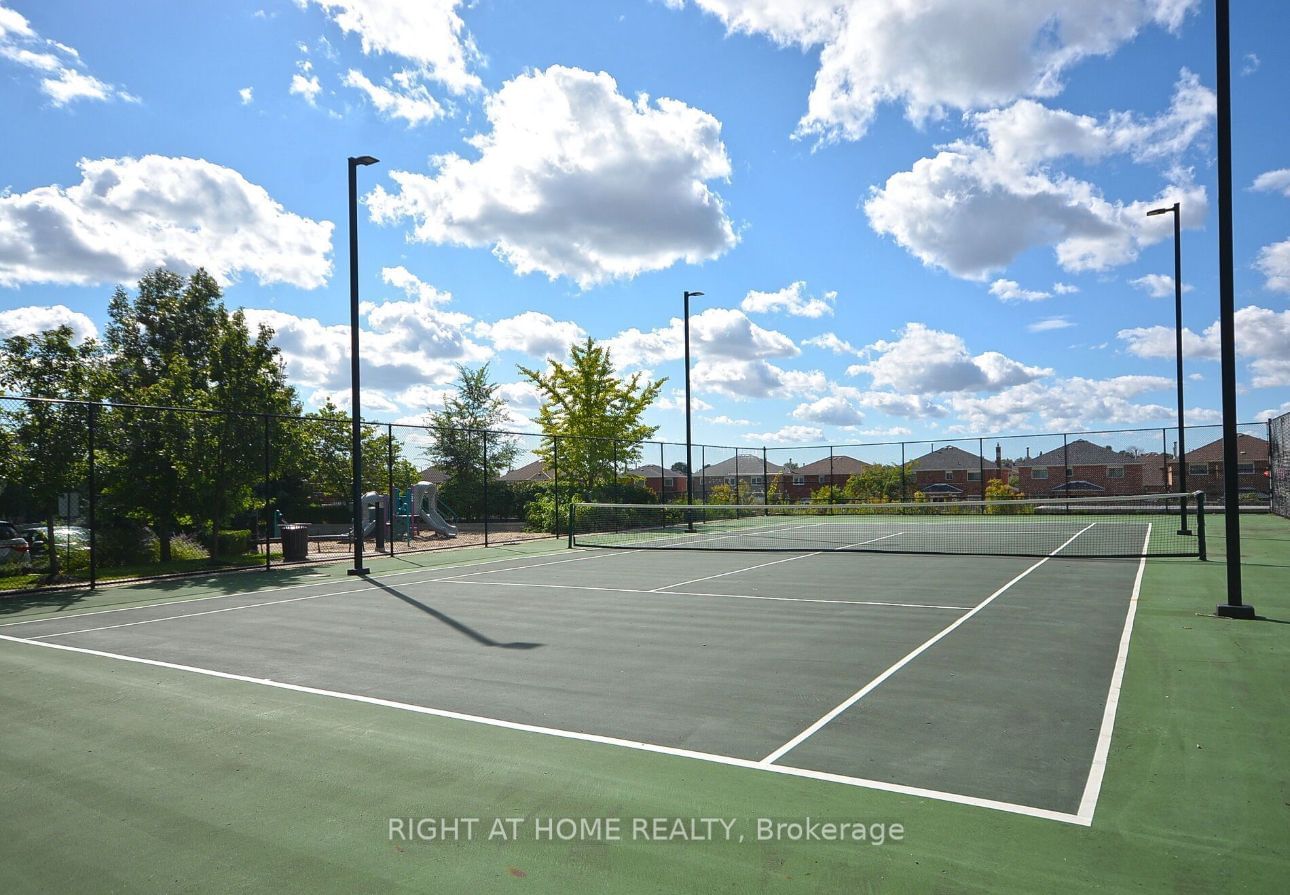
(174, 345)
(777, 492)
(596, 414)
(875, 483)
(470, 420)
(679, 466)
(49, 449)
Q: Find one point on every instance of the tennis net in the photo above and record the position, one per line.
(1148, 525)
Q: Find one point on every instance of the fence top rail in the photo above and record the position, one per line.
(345, 420)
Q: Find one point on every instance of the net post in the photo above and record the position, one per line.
(572, 504)
(93, 501)
(1200, 525)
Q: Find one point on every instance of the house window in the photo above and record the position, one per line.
(732, 480)
(799, 480)
(757, 480)
(1070, 471)
(1039, 472)
(1197, 469)
(821, 479)
(1245, 469)
(949, 475)
(1115, 472)
(974, 476)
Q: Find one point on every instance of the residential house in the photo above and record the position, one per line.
(1205, 468)
(1082, 469)
(750, 470)
(536, 471)
(669, 484)
(800, 481)
(951, 473)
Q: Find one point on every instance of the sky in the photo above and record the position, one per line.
(907, 219)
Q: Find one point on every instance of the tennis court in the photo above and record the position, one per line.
(986, 680)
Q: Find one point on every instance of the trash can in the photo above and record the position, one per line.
(295, 543)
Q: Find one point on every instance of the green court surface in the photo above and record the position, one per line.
(259, 731)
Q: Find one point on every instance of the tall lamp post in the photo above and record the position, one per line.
(355, 411)
(689, 458)
(1178, 339)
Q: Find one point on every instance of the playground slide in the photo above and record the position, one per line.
(423, 502)
(373, 509)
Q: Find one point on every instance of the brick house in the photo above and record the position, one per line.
(1092, 470)
(746, 469)
(951, 473)
(667, 483)
(1205, 467)
(799, 483)
(529, 472)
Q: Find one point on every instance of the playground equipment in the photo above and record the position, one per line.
(424, 497)
(374, 506)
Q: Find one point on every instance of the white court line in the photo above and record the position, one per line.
(909, 657)
(355, 590)
(535, 565)
(743, 533)
(745, 763)
(687, 593)
(270, 590)
(664, 588)
(1093, 785)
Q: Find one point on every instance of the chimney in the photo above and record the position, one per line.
(998, 458)
(1027, 452)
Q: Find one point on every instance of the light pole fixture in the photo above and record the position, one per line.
(355, 410)
(1178, 340)
(689, 454)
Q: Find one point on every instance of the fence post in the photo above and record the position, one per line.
(1166, 479)
(765, 481)
(555, 481)
(902, 473)
(268, 512)
(613, 459)
(736, 483)
(1200, 525)
(389, 478)
(980, 455)
(94, 553)
(484, 471)
(703, 481)
(662, 471)
(1066, 468)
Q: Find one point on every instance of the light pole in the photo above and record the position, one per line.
(1178, 339)
(355, 411)
(689, 458)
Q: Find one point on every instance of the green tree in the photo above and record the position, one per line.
(874, 484)
(48, 452)
(174, 345)
(777, 492)
(596, 413)
(465, 431)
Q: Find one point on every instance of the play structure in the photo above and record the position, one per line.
(423, 507)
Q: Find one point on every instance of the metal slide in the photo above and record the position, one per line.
(424, 495)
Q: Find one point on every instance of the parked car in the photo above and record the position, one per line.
(15, 552)
(73, 536)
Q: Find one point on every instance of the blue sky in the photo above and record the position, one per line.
(905, 223)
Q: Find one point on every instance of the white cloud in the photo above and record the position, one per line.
(1073, 403)
(247, 95)
(424, 293)
(1010, 290)
(977, 205)
(575, 180)
(790, 300)
(403, 97)
(833, 410)
(1277, 181)
(1158, 285)
(307, 87)
(924, 360)
(1048, 324)
(429, 33)
(915, 54)
(724, 420)
(714, 332)
(33, 319)
(1250, 64)
(1065, 289)
(755, 379)
(787, 435)
(62, 73)
(832, 342)
(129, 215)
(1273, 412)
(1274, 263)
(532, 333)
(1262, 340)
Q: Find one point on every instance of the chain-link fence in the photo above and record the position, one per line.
(94, 492)
(1279, 464)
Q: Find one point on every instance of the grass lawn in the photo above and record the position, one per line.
(123, 777)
